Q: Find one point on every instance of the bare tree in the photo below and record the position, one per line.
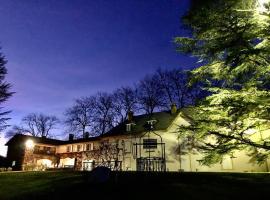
(176, 89)
(104, 113)
(167, 86)
(94, 114)
(15, 130)
(39, 125)
(150, 94)
(80, 116)
(124, 100)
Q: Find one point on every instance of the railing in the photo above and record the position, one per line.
(151, 164)
(48, 152)
(112, 165)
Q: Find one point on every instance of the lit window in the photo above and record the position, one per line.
(78, 147)
(68, 148)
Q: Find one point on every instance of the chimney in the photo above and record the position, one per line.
(86, 135)
(130, 116)
(173, 108)
(70, 137)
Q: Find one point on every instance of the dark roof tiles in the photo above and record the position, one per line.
(163, 121)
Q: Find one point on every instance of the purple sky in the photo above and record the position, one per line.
(62, 50)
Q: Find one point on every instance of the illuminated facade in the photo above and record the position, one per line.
(141, 143)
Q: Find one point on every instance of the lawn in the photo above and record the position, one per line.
(133, 185)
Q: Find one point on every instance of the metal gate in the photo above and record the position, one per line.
(149, 152)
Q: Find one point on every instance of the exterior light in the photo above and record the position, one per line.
(29, 144)
(250, 131)
(261, 8)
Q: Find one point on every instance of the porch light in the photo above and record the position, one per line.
(29, 144)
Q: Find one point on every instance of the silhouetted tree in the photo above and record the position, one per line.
(104, 114)
(34, 124)
(150, 94)
(80, 116)
(4, 91)
(176, 89)
(124, 100)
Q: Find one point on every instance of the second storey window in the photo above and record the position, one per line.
(78, 147)
(89, 147)
(68, 148)
(149, 143)
(128, 127)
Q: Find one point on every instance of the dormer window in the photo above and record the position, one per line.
(128, 127)
(150, 124)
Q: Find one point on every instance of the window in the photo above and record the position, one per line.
(37, 148)
(150, 124)
(149, 143)
(127, 146)
(78, 147)
(47, 150)
(88, 147)
(128, 127)
(68, 148)
(53, 149)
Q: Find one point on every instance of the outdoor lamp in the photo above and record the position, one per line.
(29, 144)
(261, 8)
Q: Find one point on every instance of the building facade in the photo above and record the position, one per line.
(142, 143)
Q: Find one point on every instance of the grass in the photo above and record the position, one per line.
(133, 185)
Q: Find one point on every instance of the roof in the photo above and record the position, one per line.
(163, 121)
(81, 140)
(43, 140)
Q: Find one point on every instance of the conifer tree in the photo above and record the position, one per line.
(4, 92)
(231, 40)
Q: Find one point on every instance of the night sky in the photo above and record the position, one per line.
(61, 50)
